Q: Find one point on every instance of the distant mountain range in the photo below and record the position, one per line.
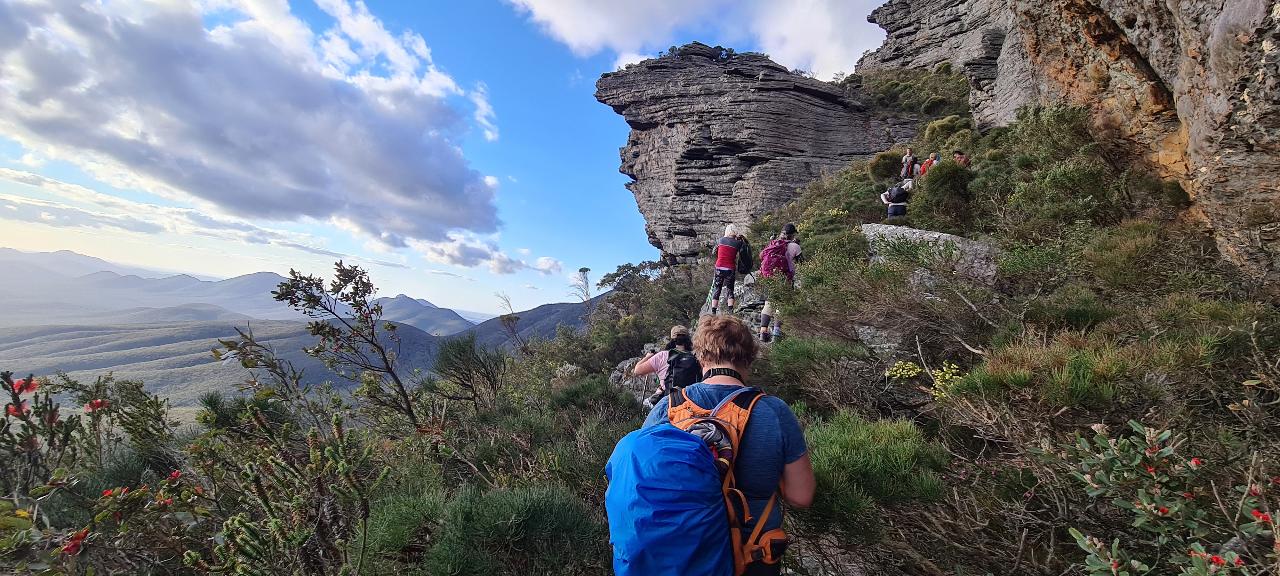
(175, 359)
(63, 311)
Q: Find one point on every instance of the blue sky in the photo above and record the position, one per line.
(452, 147)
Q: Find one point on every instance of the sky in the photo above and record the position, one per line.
(451, 147)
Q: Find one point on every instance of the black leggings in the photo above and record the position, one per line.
(723, 279)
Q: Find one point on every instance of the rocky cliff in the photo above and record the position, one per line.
(1191, 88)
(720, 138)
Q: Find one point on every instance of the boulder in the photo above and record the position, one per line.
(971, 259)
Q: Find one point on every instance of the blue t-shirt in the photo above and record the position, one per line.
(772, 440)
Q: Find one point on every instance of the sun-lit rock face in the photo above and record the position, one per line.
(1190, 88)
(719, 138)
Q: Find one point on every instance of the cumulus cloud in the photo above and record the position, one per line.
(258, 116)
(470, 251)
(823, 36)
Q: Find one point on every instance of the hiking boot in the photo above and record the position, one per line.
(766, 337)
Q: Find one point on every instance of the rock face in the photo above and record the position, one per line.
(719, 138)
(1191, 88)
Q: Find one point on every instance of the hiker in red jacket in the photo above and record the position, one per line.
(725, 255)
(777, 258)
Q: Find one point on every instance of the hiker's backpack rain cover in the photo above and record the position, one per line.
(666, 507)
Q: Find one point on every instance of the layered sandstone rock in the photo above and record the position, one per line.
(719, 138)
(1191, 88)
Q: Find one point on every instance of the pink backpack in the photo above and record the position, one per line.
(773, 259)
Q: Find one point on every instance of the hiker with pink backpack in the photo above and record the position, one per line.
(778, 258)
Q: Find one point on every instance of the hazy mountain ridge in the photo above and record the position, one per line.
(161, 329)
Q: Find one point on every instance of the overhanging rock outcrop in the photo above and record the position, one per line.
(1191, 88)
(719, 138)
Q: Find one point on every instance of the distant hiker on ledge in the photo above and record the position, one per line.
(675, 365)
(908, 165)
(961, 158)
(725, 255)
(777, 259)
(669, 495)
(928, 163)
(897, 198)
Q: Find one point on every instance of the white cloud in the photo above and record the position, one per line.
(530, 287)
(823, 36)
(588, 26)
(256, 117)
(470, 251)
(74, 206)
(484, 114)
(548, 266)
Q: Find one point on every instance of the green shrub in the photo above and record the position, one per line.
(938, 132)
(790, 359)
(861, 464)
(1059, 194)
(886, 165)
(940, 200)
(1080, 383)
(1072, 306)
(1120, 256)
(595, 392)
(516, 531)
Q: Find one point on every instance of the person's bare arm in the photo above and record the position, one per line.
(798, 483)
(643, 367)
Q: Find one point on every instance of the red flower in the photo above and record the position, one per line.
(96, 404)
(1151, 470)
(175, 475)
(72, 547)
(167, 502)
(1115, 565)
(1196, 462)
(1217, 560)
(124, 490)
(1261, 516)
(108, 493)
(19, 410)
(1239, 561)
(1188, 495)
(25, 385)
(1162, 511)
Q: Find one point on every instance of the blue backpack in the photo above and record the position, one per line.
(671, 494)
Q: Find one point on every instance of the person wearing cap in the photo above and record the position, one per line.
(659, 362)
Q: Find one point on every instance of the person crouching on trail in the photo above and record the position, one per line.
(771, 456)
(897, 198)
(725, 255)
(778, 258)
(675, 365)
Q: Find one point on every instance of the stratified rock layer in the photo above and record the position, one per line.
(1193, 88)
(719, 138)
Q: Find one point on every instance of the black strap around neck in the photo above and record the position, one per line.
(730, 372)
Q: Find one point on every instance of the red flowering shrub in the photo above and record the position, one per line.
(1181, 521)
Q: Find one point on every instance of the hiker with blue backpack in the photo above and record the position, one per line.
(675, 365)
(698, 490)
(778, 258)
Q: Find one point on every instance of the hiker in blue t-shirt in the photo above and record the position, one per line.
(772, 449)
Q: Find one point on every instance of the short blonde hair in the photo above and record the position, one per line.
(731, 230)
(724, 340)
